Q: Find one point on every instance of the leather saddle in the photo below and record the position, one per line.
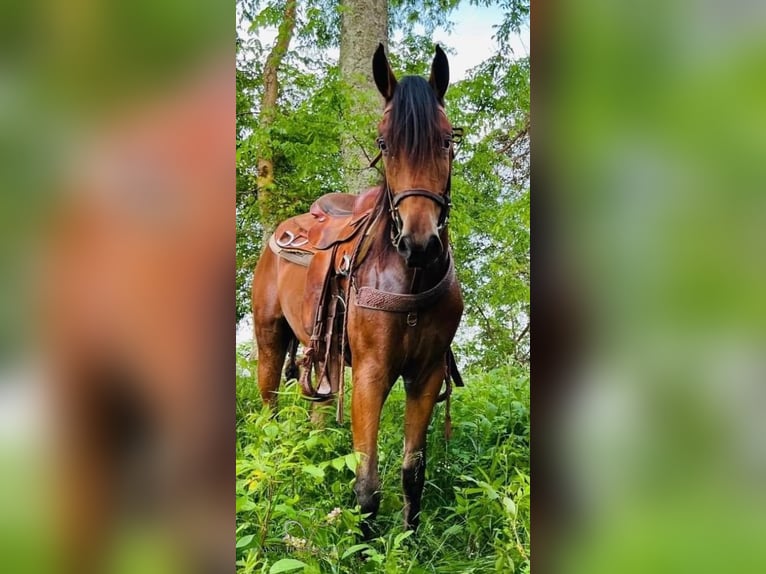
(333, 218)
(334, 205)
(324, 240)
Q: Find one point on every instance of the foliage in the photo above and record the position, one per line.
(490, 225)
(296, 509)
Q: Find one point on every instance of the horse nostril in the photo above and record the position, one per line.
(433, 248)
(404, 246)
(418, 254)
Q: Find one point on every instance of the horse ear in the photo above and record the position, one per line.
(384, 76)
(439, 79)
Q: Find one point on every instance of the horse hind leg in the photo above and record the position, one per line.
(273, 341)
(273, 335)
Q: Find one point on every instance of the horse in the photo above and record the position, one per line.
(399, 299)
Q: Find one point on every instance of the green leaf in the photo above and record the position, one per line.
(354, 549)
(286, 565)
(351, 461)
(313, 470)
(403, 536)
(245, 540)
(245, 503)
(509, 505)
(270, 430)
(337, 463)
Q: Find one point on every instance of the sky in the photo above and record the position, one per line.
(471, 37)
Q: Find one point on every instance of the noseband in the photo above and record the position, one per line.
(443, 201)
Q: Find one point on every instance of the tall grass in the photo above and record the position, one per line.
(296, 509)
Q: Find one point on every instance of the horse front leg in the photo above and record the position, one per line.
(369, 392)
(421, 398)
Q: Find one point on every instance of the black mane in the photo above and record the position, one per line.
(413, 128)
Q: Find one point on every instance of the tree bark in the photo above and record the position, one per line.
(364, 24)
(265, 180)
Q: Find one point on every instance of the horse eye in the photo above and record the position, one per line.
(381, 144)
(447, 142)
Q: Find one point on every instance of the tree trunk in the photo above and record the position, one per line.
(364, 24)
(265, 180)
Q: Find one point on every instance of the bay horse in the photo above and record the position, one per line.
(406, 258)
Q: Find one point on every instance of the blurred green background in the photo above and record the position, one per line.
(651, 119)
(69, 70)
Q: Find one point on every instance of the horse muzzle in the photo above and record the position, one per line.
(419, 254)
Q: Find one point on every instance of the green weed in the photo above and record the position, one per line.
(296, 510)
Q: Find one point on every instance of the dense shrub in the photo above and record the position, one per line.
(296, 509)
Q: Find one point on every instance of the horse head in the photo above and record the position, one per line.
(415, 140)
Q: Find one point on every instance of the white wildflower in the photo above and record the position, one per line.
(333, 515)
(295, 542)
